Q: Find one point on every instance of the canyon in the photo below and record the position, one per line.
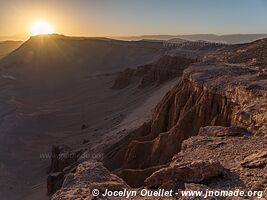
(208, 131)
(133, 115)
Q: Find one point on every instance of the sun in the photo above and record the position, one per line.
(41, 28)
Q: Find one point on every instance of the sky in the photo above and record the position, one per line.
(134, 17)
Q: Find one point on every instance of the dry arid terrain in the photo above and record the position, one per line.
(79, 114)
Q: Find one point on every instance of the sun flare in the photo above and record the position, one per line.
(41, 28)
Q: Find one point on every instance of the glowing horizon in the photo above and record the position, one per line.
(133, 18)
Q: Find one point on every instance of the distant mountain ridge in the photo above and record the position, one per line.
(15, 37)
(227, 38)
(231, 39)
(7, 47)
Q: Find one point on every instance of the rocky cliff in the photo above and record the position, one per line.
(166, 68)
(208, 132)
(206, 96)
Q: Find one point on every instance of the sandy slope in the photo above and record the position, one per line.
(49, 88)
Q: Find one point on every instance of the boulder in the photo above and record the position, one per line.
(188, 172)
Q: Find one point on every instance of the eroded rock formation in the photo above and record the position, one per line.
(176, 174)
(208, 132)
(88, 176)
(166, 68)
(63, 161)
(206, 96)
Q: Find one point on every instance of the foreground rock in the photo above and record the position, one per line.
(226, 100)
(232, 153)
(177, 174)
(63, 161)
(88, 176)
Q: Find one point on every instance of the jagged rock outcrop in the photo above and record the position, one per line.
(166, 68)
(88, 176)
(207, 95)
(63, 161)
(176, 174)
(232, 153)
